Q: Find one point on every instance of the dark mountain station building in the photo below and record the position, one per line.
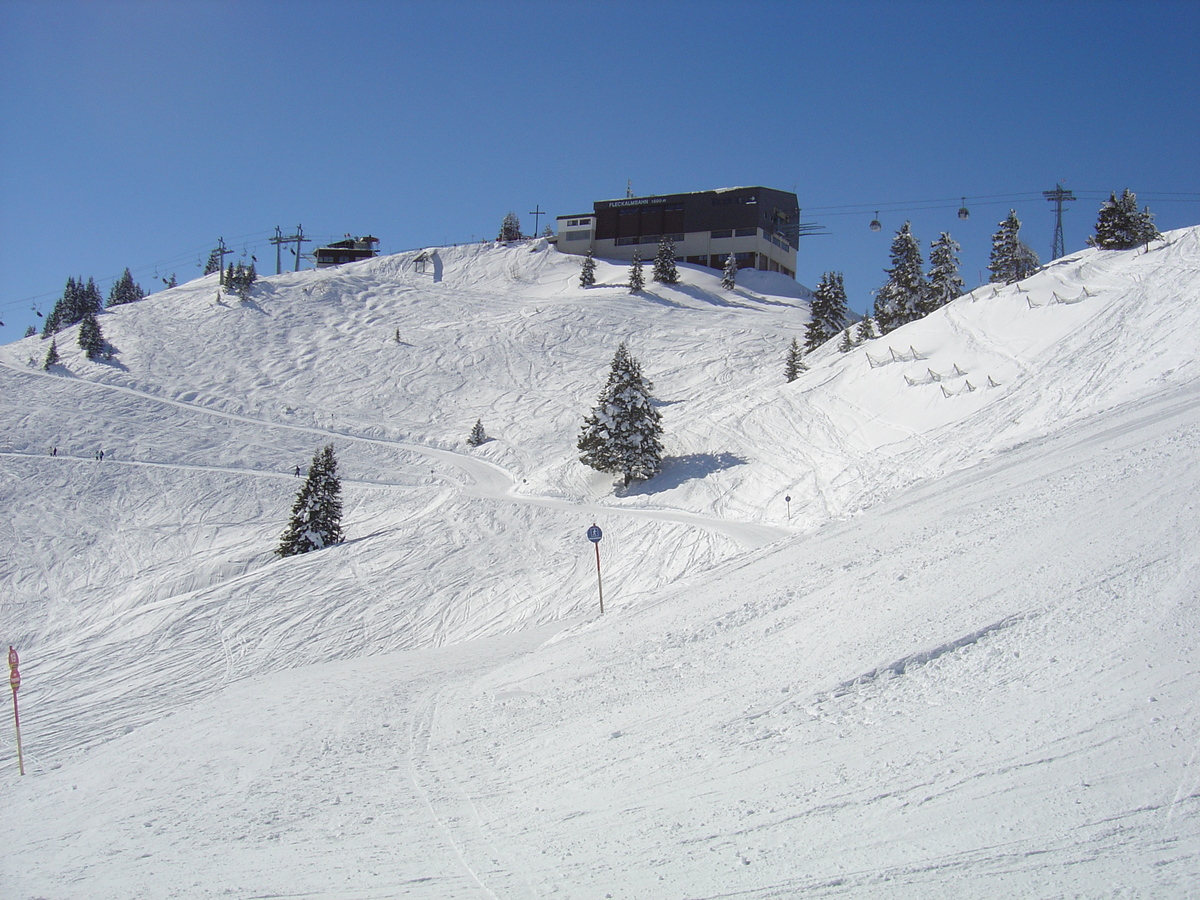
(758, 225)
(352, 249)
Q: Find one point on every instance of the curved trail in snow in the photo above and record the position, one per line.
(487, 480)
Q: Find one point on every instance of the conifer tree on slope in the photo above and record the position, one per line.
(621, 436)
(794, 364)
(828, 311)
(316, 520)
(587, 273)
(944, 282)
(901, 298)
(90, 337)
(637, 280)
(665, 270)
(124, 290)
(478, 435)
(1012, 259)
(729, 276)
(510, 228)
(51, 355)
(214, 262)
(1120, 226)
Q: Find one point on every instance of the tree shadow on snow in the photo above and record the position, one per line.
(677, 470)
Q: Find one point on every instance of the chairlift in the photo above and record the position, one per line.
(875, 226)
(38, 311)
(963, 212)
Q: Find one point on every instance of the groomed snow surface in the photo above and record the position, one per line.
(960, 662)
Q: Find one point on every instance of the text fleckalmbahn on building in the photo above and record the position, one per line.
(758, 225)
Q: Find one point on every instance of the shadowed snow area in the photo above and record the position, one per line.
(962, 661)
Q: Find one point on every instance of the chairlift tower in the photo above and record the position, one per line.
(1058, 197)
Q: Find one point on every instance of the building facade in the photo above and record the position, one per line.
(758, 225)
(348, 250)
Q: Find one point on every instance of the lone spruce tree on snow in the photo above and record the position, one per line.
(729, 276)
(901, 299)
(316, 520)
(1120, 226)
(1012, 259)
(828, 312)
(510, 228)
(91, 339)
(124, 290)
(478, 435)
(51, 356)
(637, 280)
(944, 283)
(621, 436)
(587, 273)
(794, 364)
(664, 263)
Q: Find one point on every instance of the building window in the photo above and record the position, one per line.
(577, 235)
(723, 233)
(746, 232)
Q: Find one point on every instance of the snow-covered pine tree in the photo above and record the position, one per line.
(846, 344)
(91, 340)
(214, 262)
(587, 272)
(664, 263)
(944, 282)
(64, 309)
(124, 290)
(30, 331)
(828, 311)
(478, 435)
(901, 298)
(316, 520)
(865, 331)
(637, 280)
(621, 436)
(1012, 259)
(90, 300)
(51, 355)
(510, 228)
(1120, 226)
(794, 364)
(729, 276)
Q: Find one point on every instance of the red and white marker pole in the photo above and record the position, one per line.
(14, 681)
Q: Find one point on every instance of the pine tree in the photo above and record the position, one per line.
(316, 520)
(664, 263)
(64, 309)
(478, 435)
(794, 364)
(637, 280)
(828, 311)
(1012, 259)
(865, 330)
(90, 337)
(944, 283)
(172, 282)
(621, 436)
(729, 276)
(587, 274)
(125, 291)
(900, 300)
(214, 262)
(51, 356)
(1120, 226)
(510, 228)
(30, 331)
(847, 343)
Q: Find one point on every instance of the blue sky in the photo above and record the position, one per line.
(137, 133)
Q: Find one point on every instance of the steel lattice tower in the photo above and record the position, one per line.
(1058, 197)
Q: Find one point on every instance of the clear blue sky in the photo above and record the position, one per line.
(137, 133)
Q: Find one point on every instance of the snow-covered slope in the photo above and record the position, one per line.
(960, 661)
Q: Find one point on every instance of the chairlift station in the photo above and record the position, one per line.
(760, 226)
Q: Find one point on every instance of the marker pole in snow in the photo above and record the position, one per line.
(14, 680)
(788, 501)
(594, 534)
